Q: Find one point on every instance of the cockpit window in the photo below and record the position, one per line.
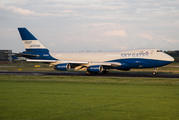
(159, 51)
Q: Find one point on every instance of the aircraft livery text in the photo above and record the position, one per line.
(135, 55)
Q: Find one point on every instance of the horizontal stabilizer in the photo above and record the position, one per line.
(28, 55)
(23, 55)
(15, 58)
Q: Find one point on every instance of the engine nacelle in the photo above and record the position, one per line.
(62, 66)
(95, 68)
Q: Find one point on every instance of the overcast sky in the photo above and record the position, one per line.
(91, 25)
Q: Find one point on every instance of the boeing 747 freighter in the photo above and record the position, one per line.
(92, 62)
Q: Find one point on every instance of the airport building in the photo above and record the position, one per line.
(5, 56)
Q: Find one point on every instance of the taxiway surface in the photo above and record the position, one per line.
(112, 74)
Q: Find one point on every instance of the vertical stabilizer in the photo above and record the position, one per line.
(25, 34)
(30, 42)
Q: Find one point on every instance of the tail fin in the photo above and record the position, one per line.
(31, 43)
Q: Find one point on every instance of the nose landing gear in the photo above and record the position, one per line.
(155, 71)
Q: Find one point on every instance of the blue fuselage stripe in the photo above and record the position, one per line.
(43, 54)
(140, 63)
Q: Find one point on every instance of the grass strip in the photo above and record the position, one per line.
(96, 98)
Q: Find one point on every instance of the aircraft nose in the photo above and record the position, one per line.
(170, 58)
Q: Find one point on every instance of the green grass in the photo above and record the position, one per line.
(91, 98)
(27, 69)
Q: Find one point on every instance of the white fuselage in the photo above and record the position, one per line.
(109, 56)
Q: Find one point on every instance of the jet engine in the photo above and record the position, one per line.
(95, 68)
(62, 66)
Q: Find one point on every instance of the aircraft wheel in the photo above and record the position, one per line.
(154, 73)
(92, 73)
(105, 71)
(95, 73)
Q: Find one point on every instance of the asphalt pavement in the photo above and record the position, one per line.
(112, 74)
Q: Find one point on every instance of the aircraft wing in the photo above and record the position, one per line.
(44, 61)
(83, 65)
(87, 63)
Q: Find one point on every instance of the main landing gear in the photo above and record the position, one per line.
(155, 71)
(105, 71)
